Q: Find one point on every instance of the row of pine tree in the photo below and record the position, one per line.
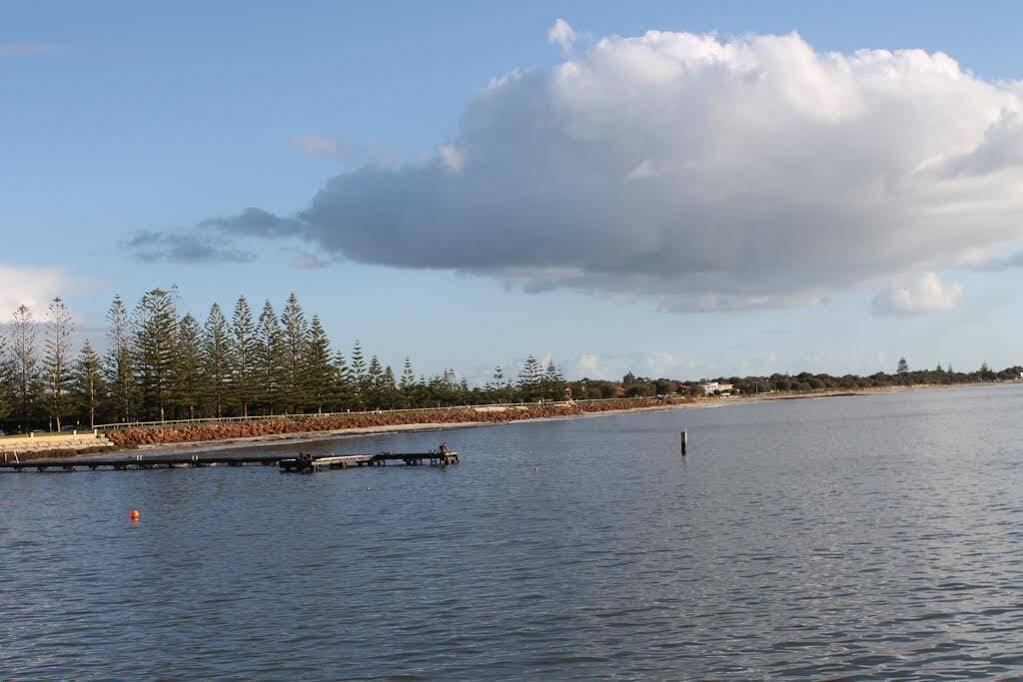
(159, 365)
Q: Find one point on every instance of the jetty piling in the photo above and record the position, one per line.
(685, 442)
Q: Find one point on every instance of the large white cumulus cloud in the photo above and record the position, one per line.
(703, 173)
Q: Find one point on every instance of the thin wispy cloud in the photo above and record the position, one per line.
(27, 49)
(184, 247)
(255, 222)
(306, 260)
(320, 147)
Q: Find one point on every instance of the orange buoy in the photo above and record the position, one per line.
(134, 515)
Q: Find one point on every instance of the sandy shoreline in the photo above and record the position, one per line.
(312, 436)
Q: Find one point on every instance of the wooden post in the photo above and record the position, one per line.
(685, 439)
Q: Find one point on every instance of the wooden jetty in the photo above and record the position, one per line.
(303, 463)
(306, 463)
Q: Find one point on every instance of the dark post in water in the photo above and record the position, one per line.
(685, 439)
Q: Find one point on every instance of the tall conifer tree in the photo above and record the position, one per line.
(57, 363)
(189, 378)
(88, 384)
(373, 384)
(294, 339)
(244, 356)
(270, 358)
(119, 367)
(529, 378)
(342, 381)
(389, 388)
(554, 382)
(357, 375)
(24, 361)
(216, 359)
(495, 387)
(319, 371)
(156, 336)
(407, 383)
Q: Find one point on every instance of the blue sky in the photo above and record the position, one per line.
(153, 118)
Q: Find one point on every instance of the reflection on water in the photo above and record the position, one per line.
(862, 536)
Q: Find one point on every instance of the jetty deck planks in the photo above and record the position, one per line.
(288, 463)
(307, 464)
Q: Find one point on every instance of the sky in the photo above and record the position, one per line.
(676, 189)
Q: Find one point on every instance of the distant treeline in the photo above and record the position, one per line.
(632, 386)
(160, 365)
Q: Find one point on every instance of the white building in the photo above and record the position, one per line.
(716, 388)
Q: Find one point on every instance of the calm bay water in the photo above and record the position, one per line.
(855, 538)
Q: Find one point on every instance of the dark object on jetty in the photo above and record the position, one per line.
(685, 442)
(302, 463)
(125, 461)
(305, 463)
